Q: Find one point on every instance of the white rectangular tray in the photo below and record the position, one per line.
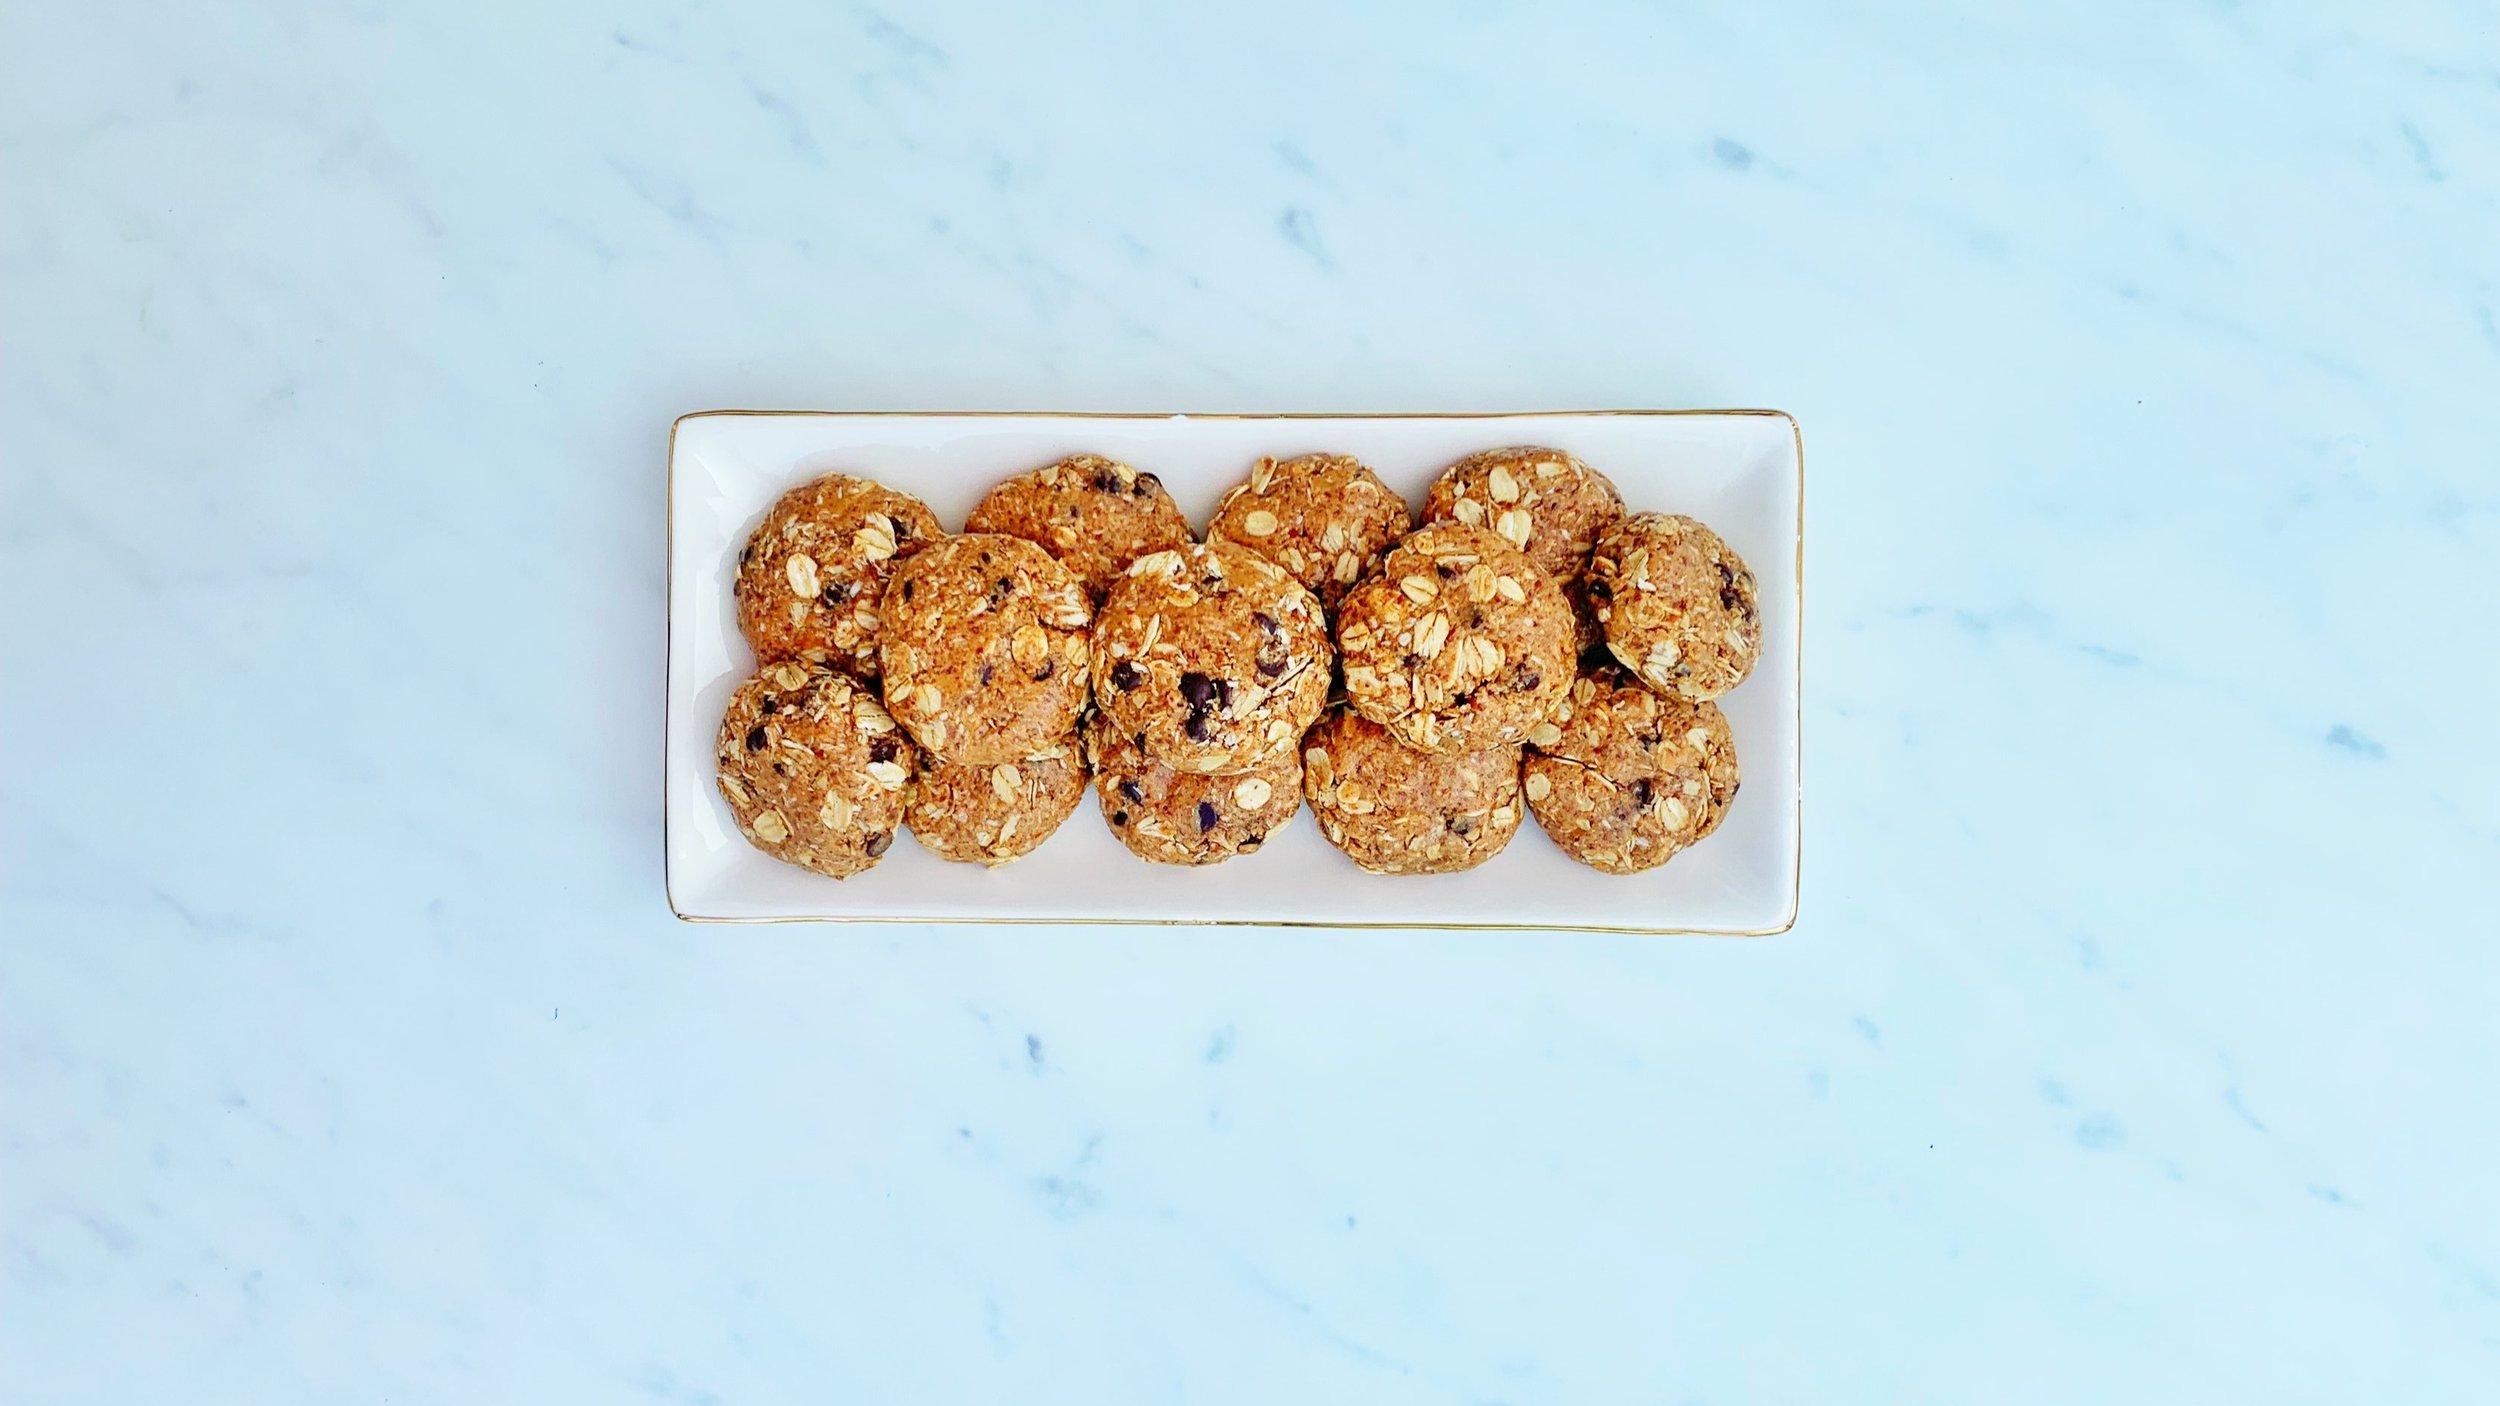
(1741, 471)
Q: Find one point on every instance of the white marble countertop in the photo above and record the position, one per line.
(2137, 1042)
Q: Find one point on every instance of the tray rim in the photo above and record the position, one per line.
(668, 631)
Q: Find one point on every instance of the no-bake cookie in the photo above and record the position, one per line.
(813, 768)
(811, 574)
(1625, 778)
(1678, 605)
(1457, 643)
(985, 648)
(1395, 810)
(1211, 658)
(1542, 501)
(1326, 518)
(991, 814)
(1095, 515)
(1185, 817)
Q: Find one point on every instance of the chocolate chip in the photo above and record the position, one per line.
(1146, 484)
(1049, 667)
(1461, 825)
(1206, 816)
(771, 705)
(1270, 668)
(1198, 689)
(1106, 481)
(1267, 624)
(746, 555)
(907, 590)
(1641, 794)
(1002, 588)
(1196, 726)
(902, 530)
(781, 769)
(755, 738)
(879, 843)
(1729, 597)
(1465, 697)
(1130, 790)
(1119, 817)
(1125, 676)
(1445, 571)
(1526, 679)
(883, 749)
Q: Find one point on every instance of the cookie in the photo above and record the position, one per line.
(813, 768)
(1457, 643)
(1325, 518)
(974, 814)
(1212, 658)
(810, 575)
(985, 648)
(1542, 501)
(1394, 810)
(1095, 515)
(1678, 605)
(1624, 778)
(1188, 817)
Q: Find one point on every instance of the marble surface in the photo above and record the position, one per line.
(2137, 1042)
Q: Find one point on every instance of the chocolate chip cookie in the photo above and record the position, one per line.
(976, 814)
(1395, 810)
(1095, 515)
(1542, 501)
(1187, 817)
(1211, 657)
(1625, 778)
(1326, 518)
(810, 576)
(1677, 604)
(813, 768)
(985, 648)
(1457, 643)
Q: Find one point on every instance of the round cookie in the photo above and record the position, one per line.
(1457, 643)
(810, 575)
(1323, 517)
(1095, 515)
(1624, 778)
(1677, 604)
(1188, 817)
(813, 768)
(1542, 501)
(985, 648)
(992, 815)
(1394, 810)
(1211, 658)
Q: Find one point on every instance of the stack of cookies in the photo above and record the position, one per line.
(1531, 648)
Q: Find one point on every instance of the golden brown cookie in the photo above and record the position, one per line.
(1625, 778)
(1095, 515)
(1323, 517)
(985, 648)
(813, 768)
(1185, 817)
(1457, 643)
(810, 575)
(1677, 604)
(1542, 501)
(974, 814)
(1395, 810)
(1213, 657)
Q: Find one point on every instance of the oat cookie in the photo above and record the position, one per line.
(1185, 817)
(1625, 778)
(985, 649)
(1323, 517)
(1457, 643)
(813, 768)
(994, 814)
(809, 577)
(1212, 656)
(1096, 515)
(1394, 810)
(1542, 501)
(1677, 604)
